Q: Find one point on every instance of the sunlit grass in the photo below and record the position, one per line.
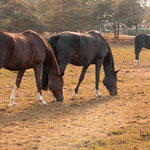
(85, 123)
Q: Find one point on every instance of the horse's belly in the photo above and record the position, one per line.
(14, 66)
(22, 63)
(80, 61)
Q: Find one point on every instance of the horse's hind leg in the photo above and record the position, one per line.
(17, 85)
(84, 69)
(137, 52)
(38, 72)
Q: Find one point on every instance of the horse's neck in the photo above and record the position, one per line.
(108, 64)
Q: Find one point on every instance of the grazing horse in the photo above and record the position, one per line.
(21, 51)
(83, 49)
(141, 40)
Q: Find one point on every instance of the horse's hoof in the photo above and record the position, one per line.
(73, 96)
(99, 95)
(11, 104)
(137, 63)
(44, 103)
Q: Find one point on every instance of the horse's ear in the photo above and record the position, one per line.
(117, 71)
(61, 75)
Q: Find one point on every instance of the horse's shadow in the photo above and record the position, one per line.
(54, 110)
(141, 66)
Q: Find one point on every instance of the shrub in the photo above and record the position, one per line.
(132, 32)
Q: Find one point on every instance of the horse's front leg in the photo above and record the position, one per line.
(98, 65)
(84, 69)
(17, 85)
(38, 72)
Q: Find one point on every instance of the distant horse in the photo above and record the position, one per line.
(82, 50)
(141, 40)
(21, 51)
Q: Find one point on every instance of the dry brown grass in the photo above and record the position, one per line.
(86, 123)
(123, 39)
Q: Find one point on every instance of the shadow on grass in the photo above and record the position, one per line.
(52, 110)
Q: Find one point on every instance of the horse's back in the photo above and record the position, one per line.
(78, 48)
(28, 49)
(65, 45)
(142, 40)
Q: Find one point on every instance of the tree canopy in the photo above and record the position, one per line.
(75, 15)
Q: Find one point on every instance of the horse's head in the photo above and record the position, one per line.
(56, 86)
(110, 83)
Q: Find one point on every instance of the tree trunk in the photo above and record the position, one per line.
(126, 31)
(136, 29)
(118, 30)
(114, 28)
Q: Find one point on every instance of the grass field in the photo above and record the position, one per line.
(85, 123)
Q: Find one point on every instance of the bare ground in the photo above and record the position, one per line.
(87, 122)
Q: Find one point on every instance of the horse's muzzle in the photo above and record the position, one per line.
(113, 93)
(60, 99)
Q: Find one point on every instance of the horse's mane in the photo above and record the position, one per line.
(52, 55)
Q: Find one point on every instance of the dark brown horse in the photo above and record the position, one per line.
(141, 40)
(21, 51)
(84, 49)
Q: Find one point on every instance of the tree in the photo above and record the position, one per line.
(105, 13)
(67, 15)
(17, 16)
(130, 12)
(147, 14)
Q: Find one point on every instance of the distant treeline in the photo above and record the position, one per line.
(75, 15)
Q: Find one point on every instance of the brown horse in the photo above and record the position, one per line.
(21, 51)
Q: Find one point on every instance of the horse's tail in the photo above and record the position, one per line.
(45, 79)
